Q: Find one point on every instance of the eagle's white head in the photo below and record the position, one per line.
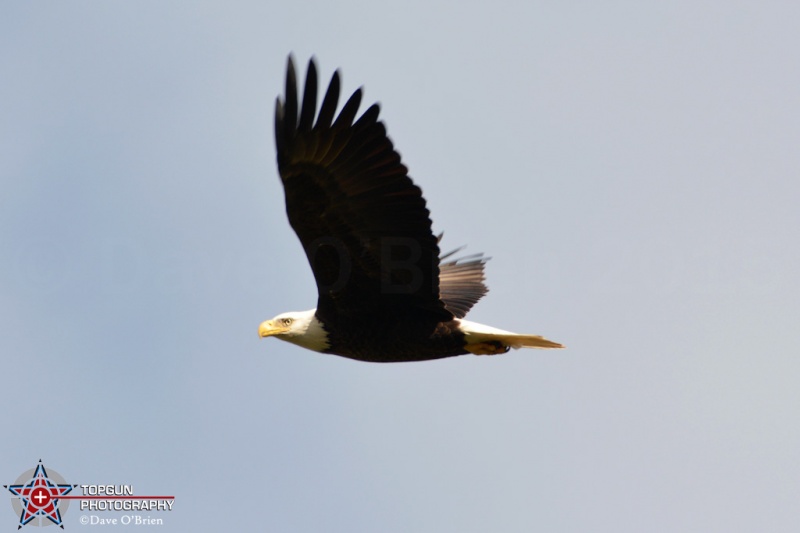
(298, 327)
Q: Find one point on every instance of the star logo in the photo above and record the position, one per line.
(37, 496)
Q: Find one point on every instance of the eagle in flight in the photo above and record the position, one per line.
(386, 293)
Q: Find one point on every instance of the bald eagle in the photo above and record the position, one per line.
(386, 294)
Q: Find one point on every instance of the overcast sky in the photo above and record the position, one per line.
(631, 168)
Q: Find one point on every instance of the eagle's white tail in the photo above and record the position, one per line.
(515, 341)
(483, 340)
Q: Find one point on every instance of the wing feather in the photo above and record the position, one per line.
(462, 282)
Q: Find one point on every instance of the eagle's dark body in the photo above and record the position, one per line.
(378, 340)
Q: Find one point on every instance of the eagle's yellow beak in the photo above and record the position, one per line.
(268, 328)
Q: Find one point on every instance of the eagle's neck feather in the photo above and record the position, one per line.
(309, 332)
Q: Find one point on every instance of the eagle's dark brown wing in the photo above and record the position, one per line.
(361, 220)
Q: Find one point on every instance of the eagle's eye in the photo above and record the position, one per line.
(286, 321)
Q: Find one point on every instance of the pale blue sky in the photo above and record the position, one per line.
(631, 168)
